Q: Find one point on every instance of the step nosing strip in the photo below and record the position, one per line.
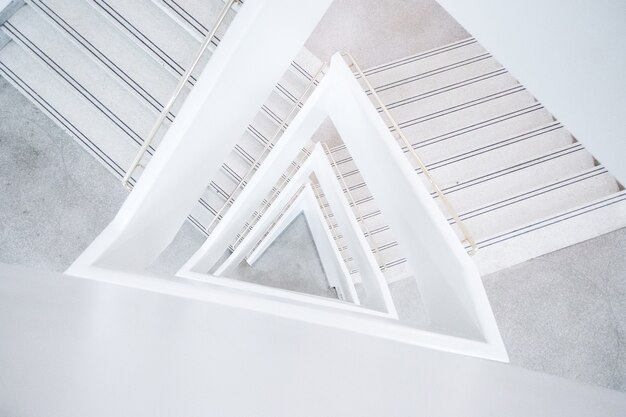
(101, 57)
(80, 89)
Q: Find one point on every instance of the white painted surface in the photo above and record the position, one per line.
(570, 55)
(248, 243)
(449, 282)
(377, 292)
(266, 36)
(79, 347)
(280, 224)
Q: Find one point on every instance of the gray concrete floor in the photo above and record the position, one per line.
(378, 31)
(50, 209)
(54, 197)
(290, 263)
(564, 313)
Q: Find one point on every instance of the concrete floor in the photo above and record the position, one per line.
(378, 31)
(54, 197)
(290, 263)
(564, 313)
(50, 210)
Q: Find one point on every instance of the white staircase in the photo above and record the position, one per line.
(103, 69)
(520, 182)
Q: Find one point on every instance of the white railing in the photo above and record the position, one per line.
(396, 128)
(359, 216)
(268, 145)
(179, 88)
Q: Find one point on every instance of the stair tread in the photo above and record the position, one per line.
(72, 112)
(540, 202)
(569, 227)
(155, 31)
(498, 155)
(498, 184)
(196, 16)
(475, 71)
(552, 167)
(438, 103)
(68, 62)
(110, 48)
(410, 69)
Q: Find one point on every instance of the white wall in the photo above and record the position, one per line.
(78, 347)
(570, 54)
(460, 317)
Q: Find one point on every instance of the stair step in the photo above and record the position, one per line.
(151, 28)
(277, 108)
(425, 127)
(442, 103)
(306, 63)
(483, 162)
(469, 194)
(67, 62)
(208, 206)
(571, 226)
(398, 74)
(196, 16)
(471, 136)
(481, 133)
(111, 49)
(96, 133)
(551, 167)
(498, 155)
(444, 83)
(494, 218)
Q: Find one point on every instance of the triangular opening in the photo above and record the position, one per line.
(291, 262)
(447, 282)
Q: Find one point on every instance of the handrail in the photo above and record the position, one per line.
(275, 192)
(267, 147)
(179, 88)
(279, 216)
(425, 170)
(359, 215)
(326, 215)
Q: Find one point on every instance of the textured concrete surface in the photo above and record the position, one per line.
(290, 263)
(185, 244)
(564, 313)
(376, 31)
(407, 300)
(54, 197)
(50, 209)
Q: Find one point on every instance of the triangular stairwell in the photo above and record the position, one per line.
(449, 283)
